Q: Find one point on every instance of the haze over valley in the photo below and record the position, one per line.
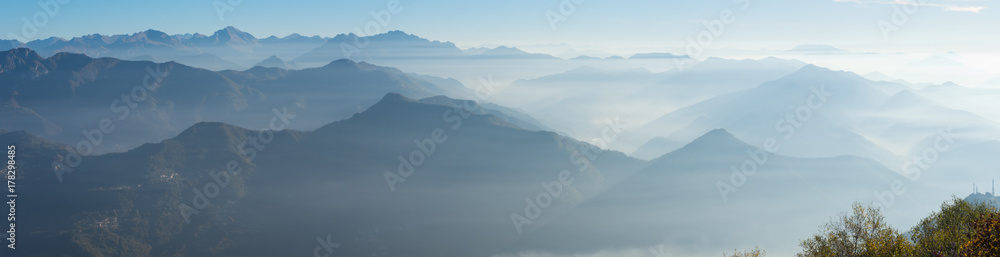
(575, 139)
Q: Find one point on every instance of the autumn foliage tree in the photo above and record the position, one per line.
(948, 232)
(861, 233)
(959, 229)
(986, 239)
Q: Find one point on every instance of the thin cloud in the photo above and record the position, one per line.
(972, 9)
(943, 6)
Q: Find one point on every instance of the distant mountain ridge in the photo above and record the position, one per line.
(37, 92)
(231, 48)
(398, 45)
(753, 113)
(228, 48)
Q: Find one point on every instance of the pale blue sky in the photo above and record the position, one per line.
(938, 25)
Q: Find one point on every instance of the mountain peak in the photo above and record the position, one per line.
(23, 52)
(715, 137)
(212, 132)
(717, 142)
(817, 73)
(13, 43)
(397, 33)
(351, 64)
(440, 100)
(394, 98)
(231, 34)
(503, 52)
(392, 109)
(813, 67)
(230, 30)
(209, 125)
(904, 94)
(906, 99)
(152, 33)
(63, 57)
(340, 63)
(14, 58)
(275, 62)
(150, 36)
(507, 50)
(395, 110)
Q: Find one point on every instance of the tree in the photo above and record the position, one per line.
(947, 232)
(986, 239)
(862, 233)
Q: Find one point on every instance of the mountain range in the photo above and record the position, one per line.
(817, 112)
(152, 144)
(359, 181)
(308, 175)
(148, 101)
(233, 49)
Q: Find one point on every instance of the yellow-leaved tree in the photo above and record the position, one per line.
(861, 233)
(949, 232)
